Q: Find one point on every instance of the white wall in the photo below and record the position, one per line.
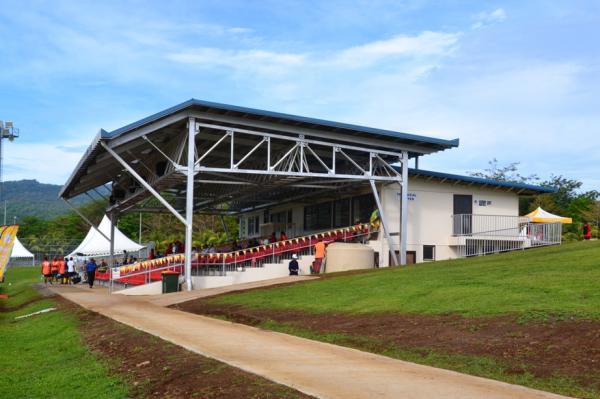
(430, 207)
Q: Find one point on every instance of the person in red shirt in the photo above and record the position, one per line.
(283, 236)
(62, 269)
(273, 238)
(319, 255)
(47, 271)
(587, 231)
(54, 268)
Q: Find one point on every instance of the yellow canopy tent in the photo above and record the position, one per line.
(541, 216)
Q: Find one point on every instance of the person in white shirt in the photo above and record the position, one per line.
(70, 269)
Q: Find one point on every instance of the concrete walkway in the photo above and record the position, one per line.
(184, 296)
(315, 368)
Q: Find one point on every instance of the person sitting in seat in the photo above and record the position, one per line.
(375, 222)
(293, 267)
(283, 236)
(273, 238)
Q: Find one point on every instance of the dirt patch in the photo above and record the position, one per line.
(158, 369)
(569, 348)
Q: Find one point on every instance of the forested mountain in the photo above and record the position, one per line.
(31, 198)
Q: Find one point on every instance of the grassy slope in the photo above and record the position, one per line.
(43, 356)
(557, 281)
(562, 280)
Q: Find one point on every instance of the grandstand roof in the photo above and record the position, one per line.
(520, 188)
(166, 130)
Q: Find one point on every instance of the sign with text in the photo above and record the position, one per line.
(7, 240)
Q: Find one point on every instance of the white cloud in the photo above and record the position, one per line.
(425, 44)
(422, 47)
(488, 18)
(258, 60)
(45, 162)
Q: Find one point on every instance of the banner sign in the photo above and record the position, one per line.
(7, 239)
(116, 273)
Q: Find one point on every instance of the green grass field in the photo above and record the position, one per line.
(536, 285)
(43, 356)
(558, 281)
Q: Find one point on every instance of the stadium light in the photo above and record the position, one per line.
(10, 132)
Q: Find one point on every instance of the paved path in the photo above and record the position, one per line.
(315, 368)
(184, 296)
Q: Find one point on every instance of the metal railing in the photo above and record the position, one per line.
(219, 264)
(469, 224)
(483, 234)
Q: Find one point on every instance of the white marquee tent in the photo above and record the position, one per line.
(94, 244)
(19, 252)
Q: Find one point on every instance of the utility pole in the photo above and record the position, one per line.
(7, 131)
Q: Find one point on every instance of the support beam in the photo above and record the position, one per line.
(404, 208)
(111, 258)
(81, 215)
(384, 223)
(143, 182)
(189, 202)
(225, 229)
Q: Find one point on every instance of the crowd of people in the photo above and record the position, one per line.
(59, 270)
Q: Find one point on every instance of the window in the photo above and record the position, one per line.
(341, 213)
(253, 225)
(428, 252)
(362, 207)
(317, 216)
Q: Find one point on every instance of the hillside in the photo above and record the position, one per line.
(31, 198)
(528, 317)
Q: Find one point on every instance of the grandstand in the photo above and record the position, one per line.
(303, 176)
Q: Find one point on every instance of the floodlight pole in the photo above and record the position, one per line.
(9, 132)
(189, 204)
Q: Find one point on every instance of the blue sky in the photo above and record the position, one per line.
(514, 80)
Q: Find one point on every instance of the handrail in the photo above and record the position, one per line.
(234, 261)
(223, 255)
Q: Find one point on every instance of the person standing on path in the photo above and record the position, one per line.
(62, 270)
(46, 270)
(90, 269)
(70, 269)
(319, 255)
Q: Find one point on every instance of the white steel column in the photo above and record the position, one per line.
(189, 202)
(143, 182)
(384, 223)
(111, 258)
(404, 208)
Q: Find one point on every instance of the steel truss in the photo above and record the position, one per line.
(292, 159)
(297, 160)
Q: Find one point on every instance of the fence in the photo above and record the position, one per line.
(219, 264)
(487, 234)
(497, 225)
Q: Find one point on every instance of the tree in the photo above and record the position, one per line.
(568, 200)
(508, 173)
